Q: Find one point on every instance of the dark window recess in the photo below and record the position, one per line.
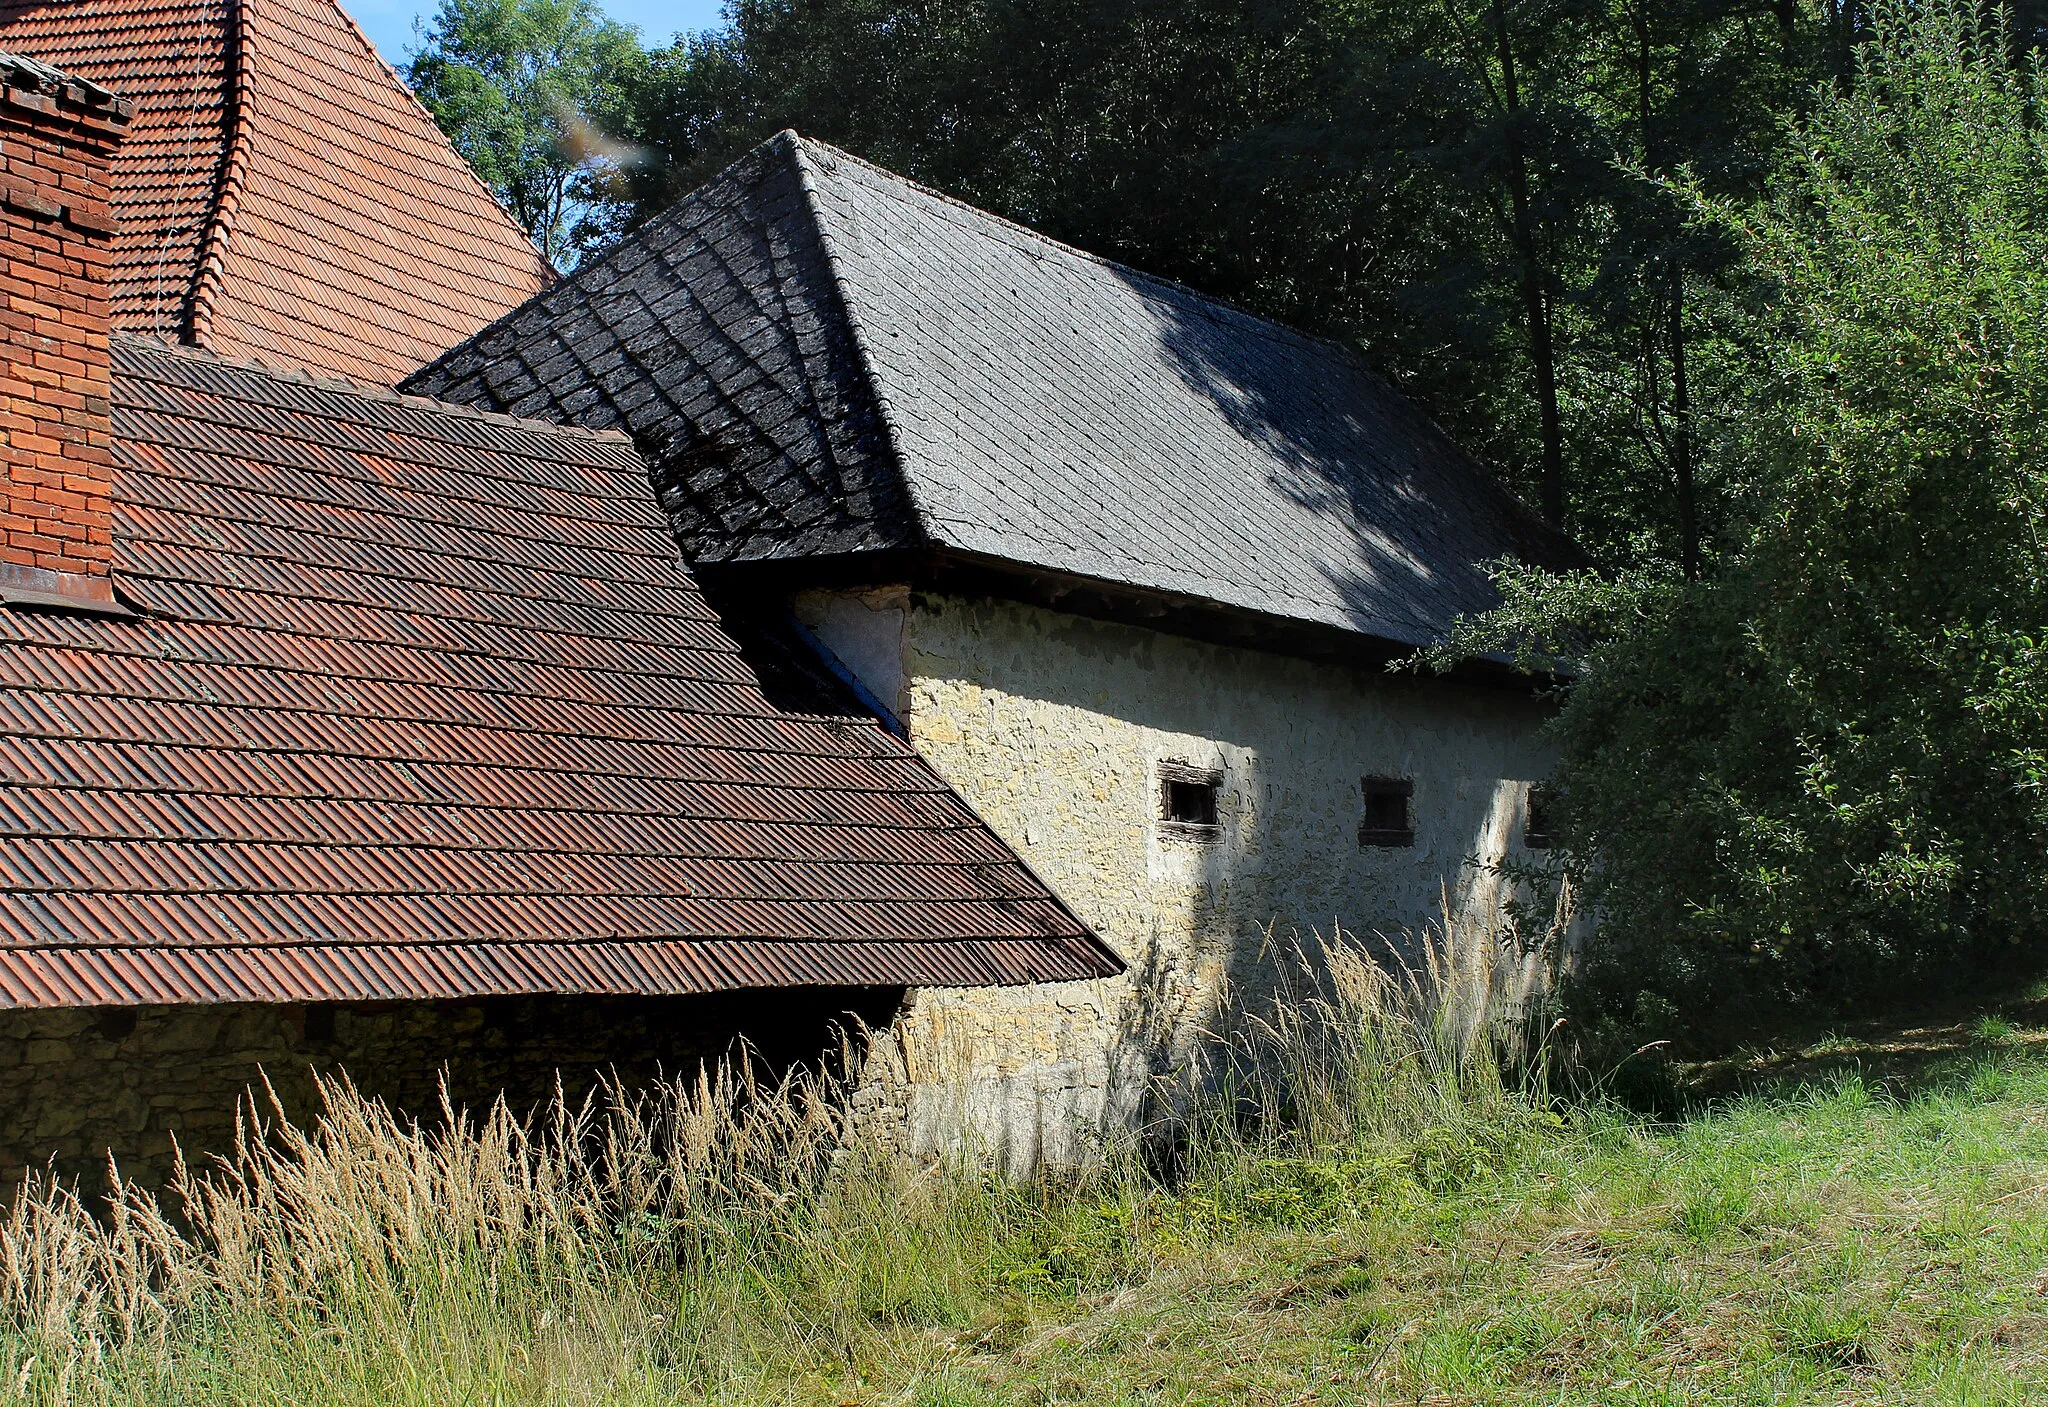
(117, 1023)
(1187, 801)
(1387, 822)
(320, 1025)
(1539, 826)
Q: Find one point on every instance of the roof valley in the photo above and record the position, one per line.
(236, 100)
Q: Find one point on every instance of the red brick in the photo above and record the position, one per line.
(56, 241)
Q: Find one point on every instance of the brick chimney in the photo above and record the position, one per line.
(57, 136)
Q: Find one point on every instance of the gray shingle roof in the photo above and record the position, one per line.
(820, 357)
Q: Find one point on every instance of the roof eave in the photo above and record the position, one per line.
(951, 571)
(95, 974)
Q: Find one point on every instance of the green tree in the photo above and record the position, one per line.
(1683, 86)
(1817, 774)
(527, 90)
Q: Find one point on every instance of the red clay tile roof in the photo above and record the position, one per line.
(166, 56)
(421, 705)
(283, 197)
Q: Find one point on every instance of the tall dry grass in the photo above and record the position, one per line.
(711, 1237)
(1378, 1039)
(1375, 1067)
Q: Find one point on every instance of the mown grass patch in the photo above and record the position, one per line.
(1833, 1244)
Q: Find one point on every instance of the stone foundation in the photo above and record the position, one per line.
(1008, 1077)
(77, 1082)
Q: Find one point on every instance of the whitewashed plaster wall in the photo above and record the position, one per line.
(1053, 726)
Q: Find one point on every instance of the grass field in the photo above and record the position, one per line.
(1835, 1244)
(1422, 1234)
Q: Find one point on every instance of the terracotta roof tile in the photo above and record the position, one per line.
(421, 705)
(283, 197)
(168, 57)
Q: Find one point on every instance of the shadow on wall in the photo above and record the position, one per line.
(1488, 930)
(78, 1082)
(1062, 731)
(1399, 521)
(1059, 725)
(1520, 932)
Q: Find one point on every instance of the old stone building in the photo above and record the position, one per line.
(1124, 565)
(348, 729)
(1028, 670)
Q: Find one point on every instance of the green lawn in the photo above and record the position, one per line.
(1836, 1242)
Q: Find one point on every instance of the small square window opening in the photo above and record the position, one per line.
(1187, 802)
(1191, 803)
(1539, 824)
(1387, 823)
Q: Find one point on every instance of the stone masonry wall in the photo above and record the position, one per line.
(1054, 727)
(77, 1082)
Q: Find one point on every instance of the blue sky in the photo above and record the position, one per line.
(389, 22)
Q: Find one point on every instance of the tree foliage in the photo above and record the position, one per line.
(1477, 194)
(525, 88)
(1818, 774)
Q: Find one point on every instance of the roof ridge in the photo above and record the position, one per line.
(367, 391)
(377, 56)
(792, 143)
(211, 275)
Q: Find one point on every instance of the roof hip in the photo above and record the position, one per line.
(857, 334)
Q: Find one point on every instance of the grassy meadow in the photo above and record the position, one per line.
(1868, 1225)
